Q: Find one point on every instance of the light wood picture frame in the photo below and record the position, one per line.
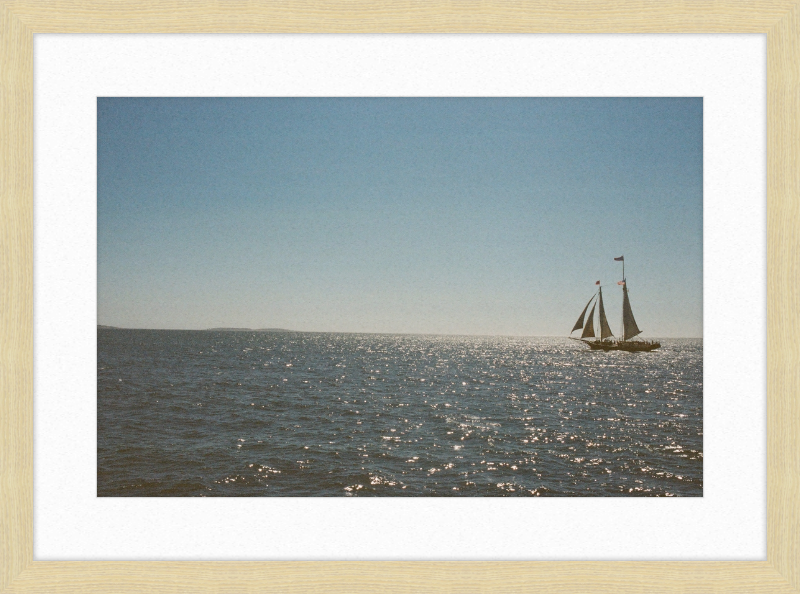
(779, 20)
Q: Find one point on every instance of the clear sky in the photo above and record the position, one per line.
(412, 215)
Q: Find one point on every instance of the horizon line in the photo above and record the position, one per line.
(287, 331)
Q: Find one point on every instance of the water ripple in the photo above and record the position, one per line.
(299, 414)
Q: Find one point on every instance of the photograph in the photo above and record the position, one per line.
(399, 297)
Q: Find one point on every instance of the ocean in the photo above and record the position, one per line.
(255, 414)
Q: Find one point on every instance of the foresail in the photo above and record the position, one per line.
(588, 330)
(605, 329)
(579, 323)
(629, 327)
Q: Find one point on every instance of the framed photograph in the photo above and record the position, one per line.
(363, 244)
(362, 219)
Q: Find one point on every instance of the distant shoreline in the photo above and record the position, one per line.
(248, 330)
(103, 327)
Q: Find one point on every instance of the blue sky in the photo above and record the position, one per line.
(413, 215)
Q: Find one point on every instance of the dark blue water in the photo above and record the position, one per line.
(194, 413)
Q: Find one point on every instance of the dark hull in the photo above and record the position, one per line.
(628, 345)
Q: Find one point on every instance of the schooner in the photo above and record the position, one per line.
(607, 341)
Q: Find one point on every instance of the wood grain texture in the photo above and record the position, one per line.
(400, 16)
(783, 274)
(16, 298)
(405, 577)
(19, 20)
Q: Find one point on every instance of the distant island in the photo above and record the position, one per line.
(102, 327)
(247, 330)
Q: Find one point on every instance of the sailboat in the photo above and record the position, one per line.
(607, 341)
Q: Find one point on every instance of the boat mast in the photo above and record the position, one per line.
(622, 318)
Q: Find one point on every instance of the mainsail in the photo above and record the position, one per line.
(629, 327)
(588, 330)
(605, 330)
(579, 323)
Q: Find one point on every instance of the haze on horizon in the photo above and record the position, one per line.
(484, 216)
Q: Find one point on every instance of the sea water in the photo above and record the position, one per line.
(241, 413)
